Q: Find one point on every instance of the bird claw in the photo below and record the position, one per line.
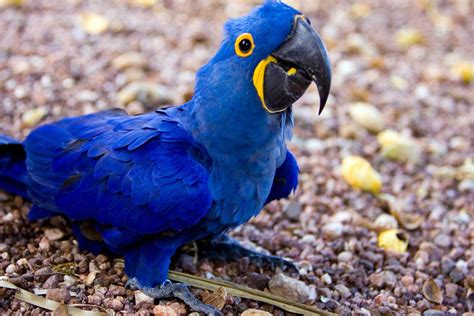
(177, 290)
(273, 262)
(132, 284)
(226, 248)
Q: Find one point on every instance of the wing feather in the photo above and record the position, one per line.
(131, 174)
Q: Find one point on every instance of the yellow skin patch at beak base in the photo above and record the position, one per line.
(259, 77)
(291, 71)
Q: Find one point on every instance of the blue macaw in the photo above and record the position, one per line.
(142, 186)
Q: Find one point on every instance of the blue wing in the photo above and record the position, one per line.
(285, 180)
(131, 175)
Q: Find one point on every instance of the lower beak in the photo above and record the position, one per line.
(288, 72)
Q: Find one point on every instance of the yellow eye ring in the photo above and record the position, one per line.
(244, 45)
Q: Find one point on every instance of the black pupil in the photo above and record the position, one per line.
(245, 45)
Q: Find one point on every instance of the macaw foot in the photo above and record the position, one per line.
(178, 290)
(226, 248)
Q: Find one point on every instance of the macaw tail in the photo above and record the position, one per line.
(12, 166)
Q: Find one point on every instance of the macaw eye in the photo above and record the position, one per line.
(244, 45)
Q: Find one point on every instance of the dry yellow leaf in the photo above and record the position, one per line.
(93, 23)
(358, 172)
(399, 147)
(463, 71)
(409, 221)
(11, 3)
(432, 292)
(367, 116)
(394, 240)
(61, 310)
(216, 299)
(408, 37)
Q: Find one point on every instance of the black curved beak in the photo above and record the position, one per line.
(304, 50)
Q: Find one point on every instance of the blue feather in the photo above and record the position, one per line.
(153, 182)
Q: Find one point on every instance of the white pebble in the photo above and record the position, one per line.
(326, 278)
(333, 229)
(10, 269)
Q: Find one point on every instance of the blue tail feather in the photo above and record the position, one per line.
(12, 166)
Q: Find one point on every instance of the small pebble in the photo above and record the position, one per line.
(451, 289)
(343, 291)
(289, 288)
(326, 278)
(384, 278)
(333, 229)
(52, 282)
(160, 310)
(58, 295)
(433, 312)
(116, 290)
(407, 280)
(53, 234)
(344, 256)
(11, 268)
(293, 210)
(141, 297)
(442, 240)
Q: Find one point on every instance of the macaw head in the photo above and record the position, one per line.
(266, 62)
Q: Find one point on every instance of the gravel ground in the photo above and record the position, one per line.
(411, 60)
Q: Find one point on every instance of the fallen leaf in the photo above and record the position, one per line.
(367, 116)
(358, 173)
(255, 312)
(470, 299)
(65, 268)
(90, 278)
(432, 291)
(358, 220)
(398, 147)
(93, 23)
(408, 37)
(61, 310)
(394, 240)
(409, 221)
(463, 71)
(11, 3)
(216, 299)
(50, 305)
(245, 292)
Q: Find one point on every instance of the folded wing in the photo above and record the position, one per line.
(131, 175)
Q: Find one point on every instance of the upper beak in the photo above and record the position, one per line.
(304, 49)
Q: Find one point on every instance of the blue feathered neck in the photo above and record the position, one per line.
(226, 114)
